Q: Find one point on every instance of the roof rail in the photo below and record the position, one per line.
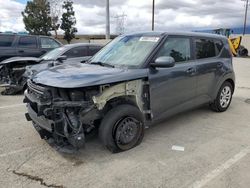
(14, 33)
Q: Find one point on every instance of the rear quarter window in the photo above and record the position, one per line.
(218, 46)
(6, 41)
(204, 48)
(49, 43)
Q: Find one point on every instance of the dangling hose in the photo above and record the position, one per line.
(68, 122)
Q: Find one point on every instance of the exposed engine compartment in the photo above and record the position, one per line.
(68, 115)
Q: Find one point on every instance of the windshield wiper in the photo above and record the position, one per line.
(102, 64)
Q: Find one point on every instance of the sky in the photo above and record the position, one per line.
(169, 15)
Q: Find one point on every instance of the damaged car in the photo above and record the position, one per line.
(15, 71)
(135, 81)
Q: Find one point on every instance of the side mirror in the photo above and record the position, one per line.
(163, 62)
(61, 58)
(84, 60)
(50, 64)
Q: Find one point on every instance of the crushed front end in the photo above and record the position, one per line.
(12, 73)
(11, 78)
(65, 115)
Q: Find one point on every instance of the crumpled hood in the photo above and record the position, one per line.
(33, 69)
(41, 66)
(17, 59)
(82, 75)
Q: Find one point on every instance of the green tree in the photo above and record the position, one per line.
(36, 17)
(68, 21)
(55, 14)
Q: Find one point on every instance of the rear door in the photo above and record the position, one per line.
(27, 46)
(173, 89)
(209, 67)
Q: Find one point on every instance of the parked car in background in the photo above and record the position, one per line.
(24, 45)
(15, 71)
(133, 82)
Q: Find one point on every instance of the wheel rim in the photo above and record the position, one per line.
(127, 132)
(225, 96)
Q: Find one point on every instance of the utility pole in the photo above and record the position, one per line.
(107, 21)
(245, 20)
(120, 22)
(153, 16)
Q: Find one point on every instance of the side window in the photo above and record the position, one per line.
(27, 42)
(49, 43)
(178, 48)
(6, 41)
(93, 50)
(77, 52)
(205, 48)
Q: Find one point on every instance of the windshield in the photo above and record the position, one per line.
(126, 51)
(53, 54)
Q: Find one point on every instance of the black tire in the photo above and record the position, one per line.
(115, 126)
(9, 91)
(216, 105)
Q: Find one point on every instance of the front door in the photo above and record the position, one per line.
(173, 89)
(77, 54)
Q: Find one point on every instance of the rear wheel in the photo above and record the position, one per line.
(122, 128)
(224, 98)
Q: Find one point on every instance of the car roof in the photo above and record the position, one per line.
(81, 44)
(24, 34)
(180, 33)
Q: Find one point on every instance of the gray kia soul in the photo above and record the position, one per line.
(133, 82)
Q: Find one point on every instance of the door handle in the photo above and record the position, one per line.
(21, 51)
(190, 70)
(219, 65)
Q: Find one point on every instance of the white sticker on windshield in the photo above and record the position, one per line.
(149, 39)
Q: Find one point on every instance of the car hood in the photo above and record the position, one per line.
(82, 75)
(33, 69)
(41, 66)
(45, 64)
(16, 59)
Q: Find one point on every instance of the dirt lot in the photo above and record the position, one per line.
(217, 150)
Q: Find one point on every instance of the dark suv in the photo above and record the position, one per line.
(13, 45)
(133, 82)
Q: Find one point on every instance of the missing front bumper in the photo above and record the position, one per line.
(52, 120)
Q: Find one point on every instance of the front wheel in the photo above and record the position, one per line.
(224, 98)
(122, 128)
